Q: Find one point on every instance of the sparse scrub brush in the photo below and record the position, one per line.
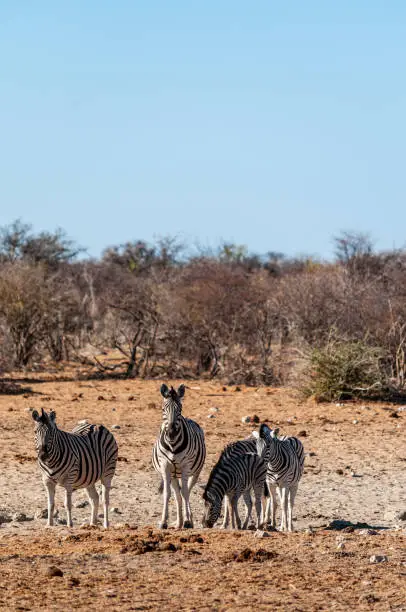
(343, 369)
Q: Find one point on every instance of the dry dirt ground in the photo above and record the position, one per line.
(354, 472)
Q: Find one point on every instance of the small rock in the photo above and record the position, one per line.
(53, 571)
(340, 472)
(5, 518)
(110, 593)
(214, 409)
(261, 534)
(302, 434)
(72, 582)
(355, 421)
(113, 410)
(131, 398)
(255, 419)
(394, 415)
(116, 511)
(237, 389)
(246, 419)
(82, 504)
(341, 546)
(115, 427)
(100, 398)
(378, 559)
(339, 405)
(211, 416)
(20, 517)
(41, 514)
(367, 532)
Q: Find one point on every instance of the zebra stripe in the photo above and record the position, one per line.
(178, 455)
(232, 476)
(75, 460)
(285, 462)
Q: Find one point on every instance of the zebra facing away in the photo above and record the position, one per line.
(284, 457)
(75, 460)
(178, 455)
(232, 476)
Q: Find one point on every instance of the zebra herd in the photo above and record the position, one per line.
(263, 463)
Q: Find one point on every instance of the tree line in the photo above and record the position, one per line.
(225, 313)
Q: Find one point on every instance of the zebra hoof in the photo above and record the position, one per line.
(188, 525)
(163, 525)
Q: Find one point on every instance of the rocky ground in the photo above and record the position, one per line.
(349, 550)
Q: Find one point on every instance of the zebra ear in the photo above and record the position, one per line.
(264, 431)
(181, 391)
(52, 416)
(164, 390)
(35, 415)
(275, 432)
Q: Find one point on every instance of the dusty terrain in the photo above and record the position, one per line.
(354, 472)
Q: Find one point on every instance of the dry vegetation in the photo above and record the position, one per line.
(354, 477)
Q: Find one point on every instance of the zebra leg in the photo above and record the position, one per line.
(284, 507)
(106, 484)
(178, 497)
(230, 513)
(50, 487)
(226, 519)
(167, 494)
(68, 505)
(248, 505)
(291, 500)
(234, 504)
(94, 503)
(188, 522)
(258, 506)
(271, 506)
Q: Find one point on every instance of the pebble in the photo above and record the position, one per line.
(20, 517)
(341, 546)
(246, 419)
(5, 518)
(355, 421)
(115, 427)
(82, 504)
(214, 409)
(54, 571)
(378, 559)
(41, 514)
(211, 416)
(261, 534)
(116, 511)
(368, 532)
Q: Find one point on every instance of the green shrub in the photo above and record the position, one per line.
(342, 370)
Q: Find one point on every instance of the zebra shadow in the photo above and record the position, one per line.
(349, 526)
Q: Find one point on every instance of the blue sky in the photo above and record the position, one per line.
(273, 124)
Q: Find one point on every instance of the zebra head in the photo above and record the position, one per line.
(172, 409)
(45, 429)
(212, 508)
(264, 437)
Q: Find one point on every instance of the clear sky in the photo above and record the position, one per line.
(273, 124)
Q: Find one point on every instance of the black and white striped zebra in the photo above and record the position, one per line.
(178, 455)
(240, 447)
(285, 461)
(232, 476)
(75, 460)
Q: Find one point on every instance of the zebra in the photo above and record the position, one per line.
(232, 476)
(75, 460)
(178, 455)
(240, 447)
(285, 460)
